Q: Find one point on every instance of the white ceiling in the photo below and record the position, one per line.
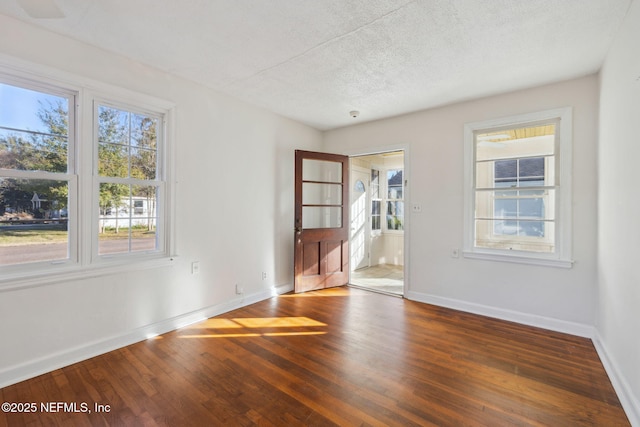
(316, 60)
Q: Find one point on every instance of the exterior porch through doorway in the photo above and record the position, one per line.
(386, 278)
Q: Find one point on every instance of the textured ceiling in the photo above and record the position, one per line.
(316, 60)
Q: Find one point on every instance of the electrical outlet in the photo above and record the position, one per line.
(455, 253)
(239, 289)
(195, 267)
(416, 208)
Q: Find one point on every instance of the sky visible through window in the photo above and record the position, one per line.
(18, 107)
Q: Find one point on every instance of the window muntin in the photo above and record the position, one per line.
(129, 180)
(36, 173)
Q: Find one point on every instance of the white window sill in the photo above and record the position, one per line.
(49, 277)
(519, 259)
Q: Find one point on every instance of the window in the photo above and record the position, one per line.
(518, 200)
(395, 200)
(376, 200)
(37, 177)
(129, 180)
(45, 196)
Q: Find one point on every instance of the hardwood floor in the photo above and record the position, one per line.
(335, 357)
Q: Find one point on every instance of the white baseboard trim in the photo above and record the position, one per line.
(33, 368)
(630, 403)
(282, 289)
(557, 325)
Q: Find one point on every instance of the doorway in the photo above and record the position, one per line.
(377, 219)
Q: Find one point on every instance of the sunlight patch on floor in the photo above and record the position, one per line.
(252, 323)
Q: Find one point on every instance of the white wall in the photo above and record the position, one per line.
(618, 319)
(562, 299)
(234, 199)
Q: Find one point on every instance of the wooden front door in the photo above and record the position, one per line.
(321, 258)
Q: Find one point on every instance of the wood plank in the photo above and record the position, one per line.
(338, 356)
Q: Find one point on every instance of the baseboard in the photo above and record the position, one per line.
(556, 325)
(282, 289)
(33, 368)
(629, 402)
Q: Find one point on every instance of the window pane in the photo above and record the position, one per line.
(114, 219)
(506, 228)
(33, 220)
(506, 208)
(34, 130)
(113, 160)
(395, 215)
(113, 126)
(506, 169)
(375, 222)
(517, 142)
(375, 207)
(531, 228)
(531, 208)
(144, 141)
(144, 218)
(321, 194)
(524, 204)
(321, 170)
(375, 214)
(321, 217)
(394, 184)
(143, 163)
(532, 236)
(519, 228)
(128, 218)
(127, 144)
(531, 167)
(375, 184)
(531, 182)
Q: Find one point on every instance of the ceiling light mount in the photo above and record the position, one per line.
(354, 113)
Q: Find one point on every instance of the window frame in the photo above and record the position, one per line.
(83, 193)
(561, 257)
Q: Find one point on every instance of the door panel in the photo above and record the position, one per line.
(321, 257)
(311, 259)
(334, 257)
